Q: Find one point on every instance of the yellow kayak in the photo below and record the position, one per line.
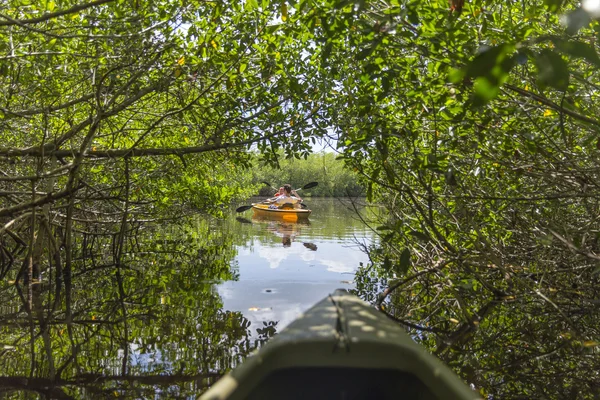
(286, 214)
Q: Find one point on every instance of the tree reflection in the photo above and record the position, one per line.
(137, 322)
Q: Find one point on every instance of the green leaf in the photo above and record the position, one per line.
(387, 264)
(251, 5)
(420, 235)
(456, 75)
(483, 63)
(552, 70)
(413, 17)
(578, 50)
(367, 51)
(296, 86)
(364, 53)
(339, 4)
(490, 68)
(484, 89)
(404, 261)
(553, 5)
(243, 67)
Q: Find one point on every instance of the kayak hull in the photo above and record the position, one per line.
(290, 215)
(342, 348)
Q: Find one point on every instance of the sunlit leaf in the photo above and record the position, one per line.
(456, 75)
(251, 5)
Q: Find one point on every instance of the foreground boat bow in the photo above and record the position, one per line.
(342, 348)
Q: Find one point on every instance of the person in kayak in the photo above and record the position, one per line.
(289, 196)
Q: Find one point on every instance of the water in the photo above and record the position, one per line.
(188, 301)
(284, 268)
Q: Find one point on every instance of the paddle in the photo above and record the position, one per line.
(307, 186)
(269, 185)
(304, 206)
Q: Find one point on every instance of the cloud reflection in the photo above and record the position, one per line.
(338, 266)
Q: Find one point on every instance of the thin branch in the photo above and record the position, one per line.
(574, 248)
(40, 201)
(395, 286)
(413, 326)
(551, 104)
(9, 21)
(24, 113)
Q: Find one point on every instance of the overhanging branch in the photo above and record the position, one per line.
(549, 103)
(118, 153)
(9, 21)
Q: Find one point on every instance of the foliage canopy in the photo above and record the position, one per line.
(478, 130)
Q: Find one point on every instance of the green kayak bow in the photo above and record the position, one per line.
(342, 348)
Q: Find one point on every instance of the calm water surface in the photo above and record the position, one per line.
(187, 302)
(285, 268)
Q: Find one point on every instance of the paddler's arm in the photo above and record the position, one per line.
(272, 199)
(295, 194)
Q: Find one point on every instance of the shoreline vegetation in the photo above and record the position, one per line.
(334, 178)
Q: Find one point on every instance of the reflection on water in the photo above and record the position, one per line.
(300, 262)
(183, 304)
(149, 326)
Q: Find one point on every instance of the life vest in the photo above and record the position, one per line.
(285, 199)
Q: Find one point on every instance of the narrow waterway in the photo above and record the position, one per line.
(285, 267)
(188, 301)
